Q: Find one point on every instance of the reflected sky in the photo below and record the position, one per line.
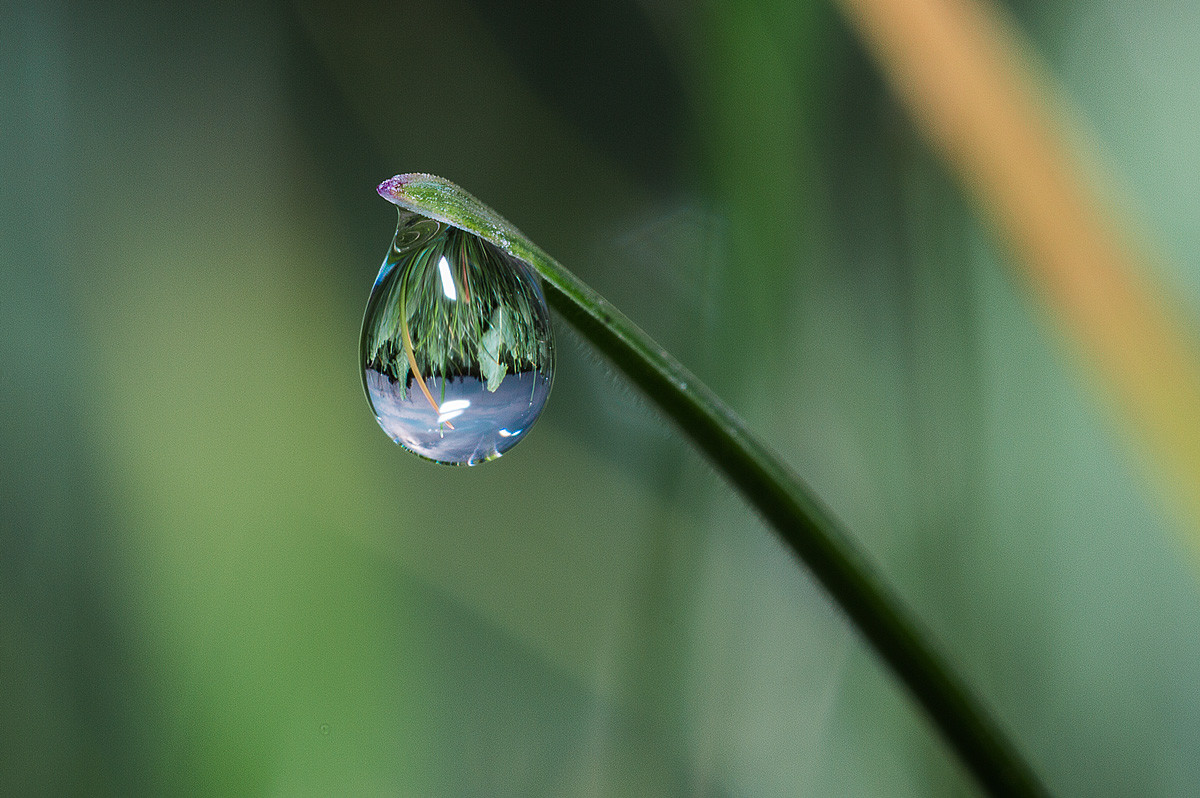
(470, 425)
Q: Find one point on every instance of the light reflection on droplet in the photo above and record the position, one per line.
(447, 281)
(456, 349)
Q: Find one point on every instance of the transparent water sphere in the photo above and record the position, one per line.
(456, 349)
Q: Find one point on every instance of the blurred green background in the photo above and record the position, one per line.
(218, 576)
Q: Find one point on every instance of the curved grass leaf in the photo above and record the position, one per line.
(789, 505)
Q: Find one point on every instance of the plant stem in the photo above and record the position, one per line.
(786, 502)
(808, 528)
(972, 85)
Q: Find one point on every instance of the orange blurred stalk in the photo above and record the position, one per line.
(966, 79)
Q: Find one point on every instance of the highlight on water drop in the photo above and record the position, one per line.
(456, 349)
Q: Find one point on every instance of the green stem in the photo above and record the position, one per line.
(785, 501)
(806, 526)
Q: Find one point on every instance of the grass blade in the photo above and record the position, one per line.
(790, 506)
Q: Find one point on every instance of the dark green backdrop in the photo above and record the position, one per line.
(218, 577)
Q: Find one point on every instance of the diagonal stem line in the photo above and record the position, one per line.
(808, 528)
(786, 502)
(976, 91)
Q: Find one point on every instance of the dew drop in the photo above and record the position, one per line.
(456, 348)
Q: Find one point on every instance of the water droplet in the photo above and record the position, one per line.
(456, 348)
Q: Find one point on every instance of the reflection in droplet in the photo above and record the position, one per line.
(456, 347)
(447, 281)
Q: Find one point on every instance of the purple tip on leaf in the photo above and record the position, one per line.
(389, 188)
(394, 187)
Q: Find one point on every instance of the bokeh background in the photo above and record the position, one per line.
(218, 577)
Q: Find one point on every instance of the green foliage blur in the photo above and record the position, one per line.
(218, 577)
